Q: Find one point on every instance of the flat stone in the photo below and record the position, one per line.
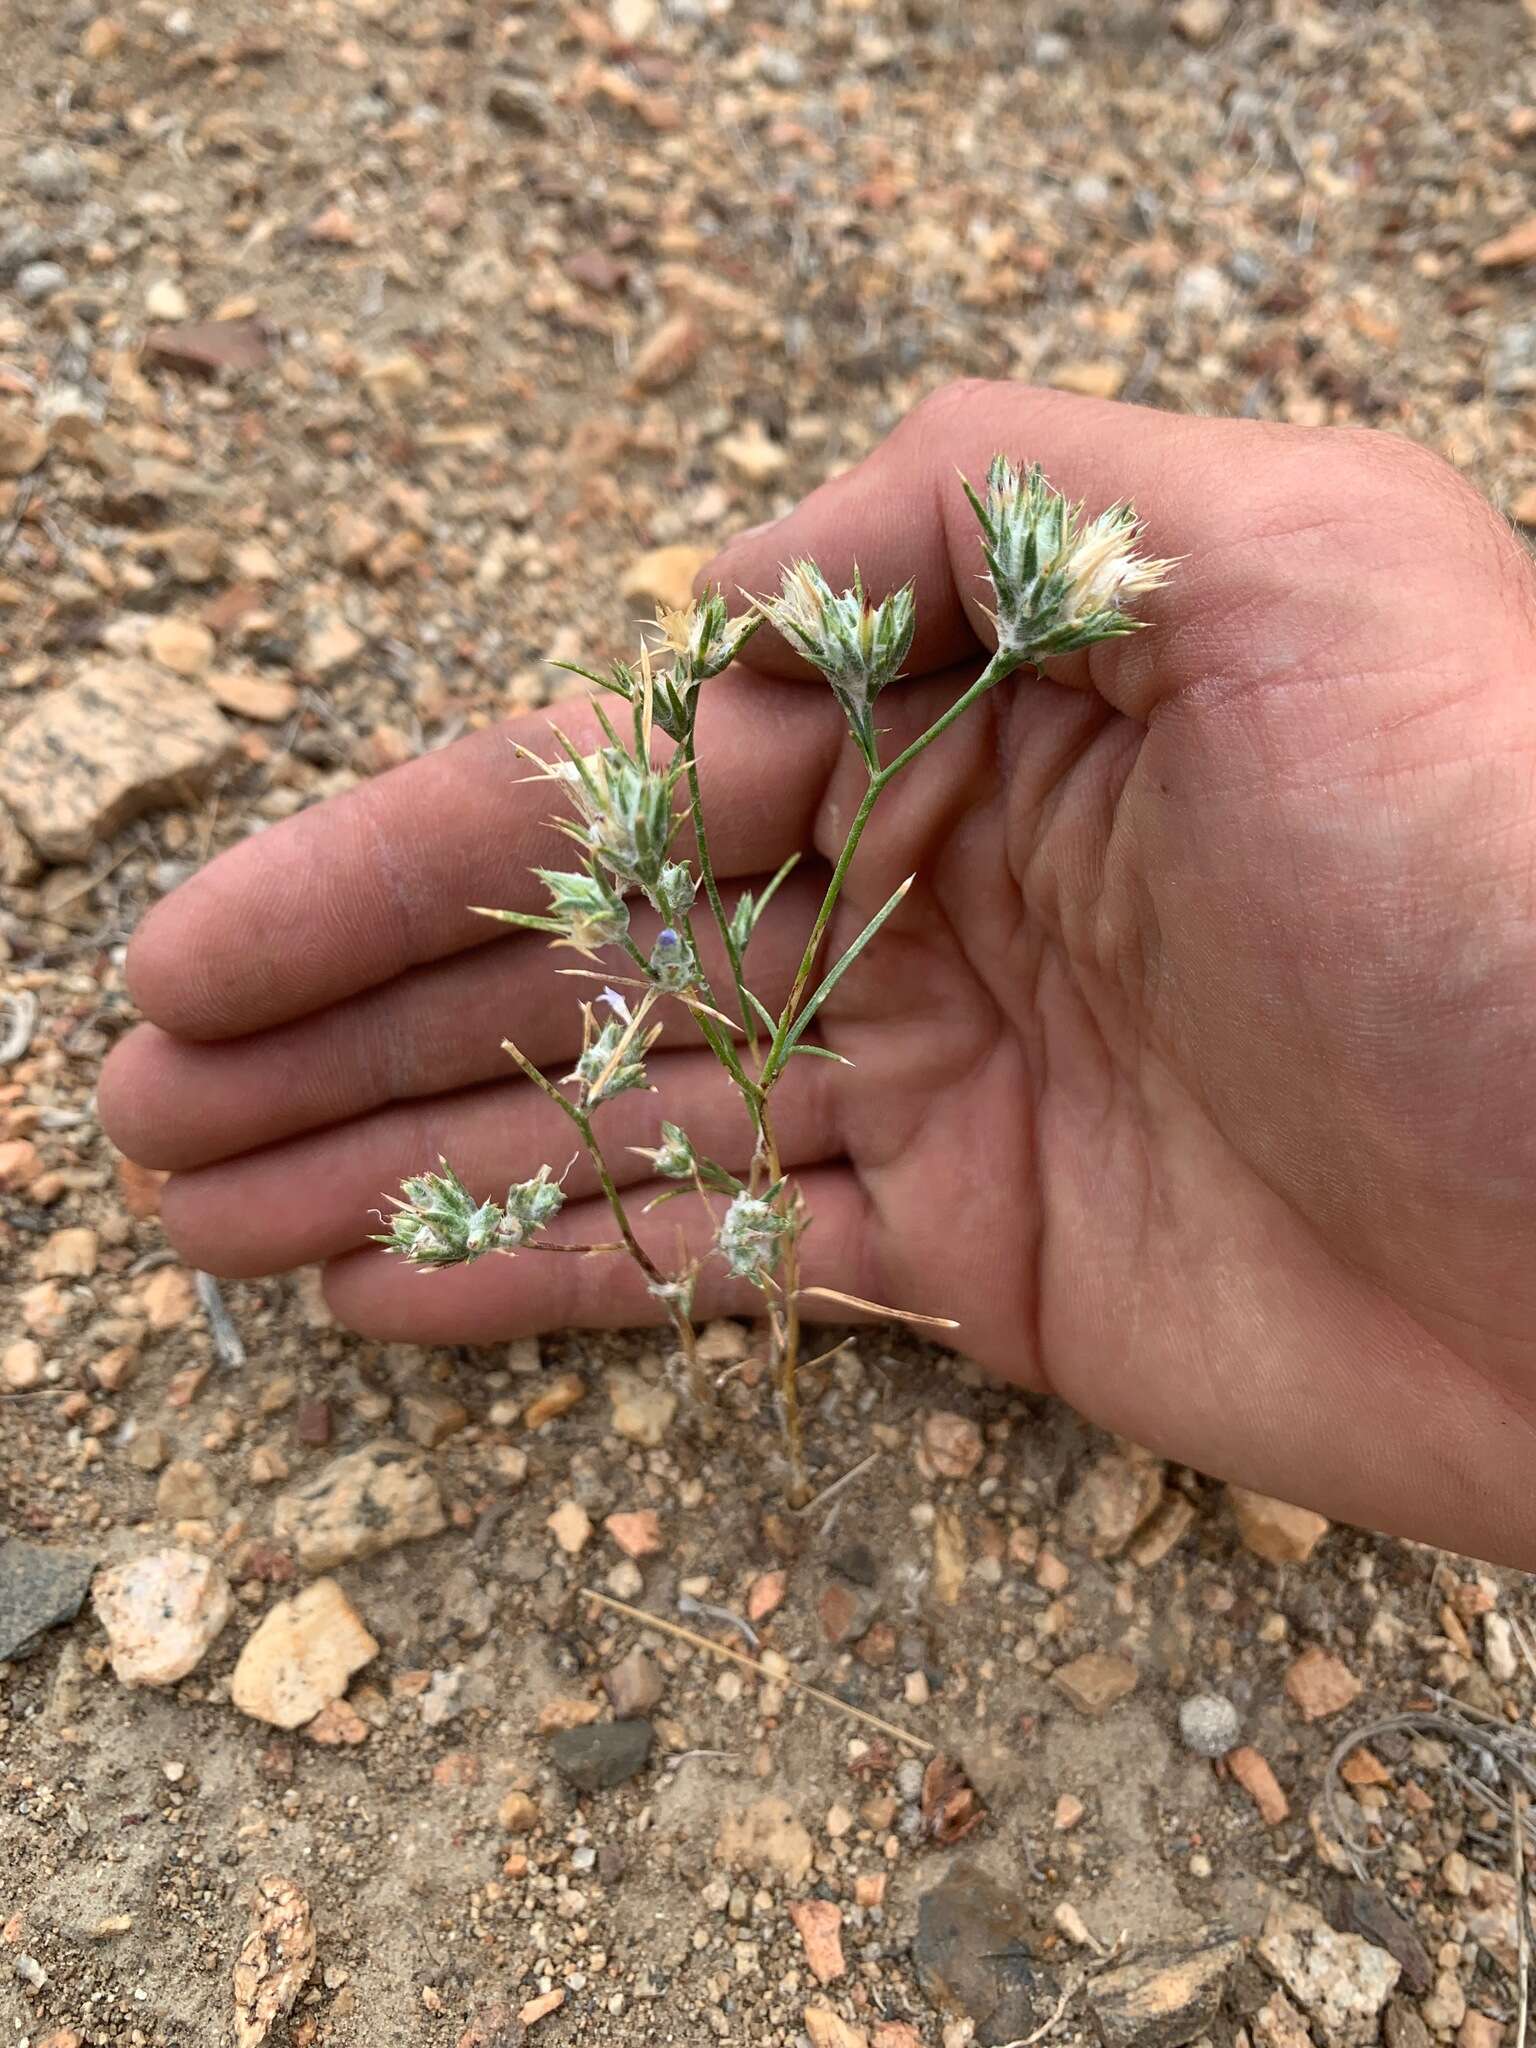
(122, 740)
(187, 1493)
(1251, 1770)
(634, 1685)
(1321, 1684)
(1273, 1529)
(1097, 1682)
(596, 1759)
(1163, 1996)
(752, 455)
(430, 1419)
(1362, 1909)
(972, 1956)
(518, 104)
(162, 1614)
(668, 353)
(55, 172)
(1201, 21)
(209, 347)
(1341, 1981)
(819, 1924)
(637, 1531)
(664, 576)
(368, 1501)
(23, 443)
(40, 1587)
(642, 1412)
(301, 1657)
(766, 1838)
(1277, 2024)
(949, 1446)
(1116, 1496)
(267, 699)
(276, 1961)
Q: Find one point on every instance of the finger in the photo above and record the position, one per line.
(174, 1103)
(313, 1197)
(358, 890)
(1309, 534)
(515, 1297)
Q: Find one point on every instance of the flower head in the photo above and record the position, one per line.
(703, 638)
(671, 962)
(753, 1233)
(612, 1060)
(859, 647)
(1061, 581)
(437, 1221)
(624, 816)
(586, 910)
(674, 1158)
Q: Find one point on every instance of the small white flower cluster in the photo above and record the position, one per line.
(1062, 582)
(859, 647)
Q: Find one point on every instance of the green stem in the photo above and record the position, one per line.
(880, 780)
(716, 903)
(682, 1322)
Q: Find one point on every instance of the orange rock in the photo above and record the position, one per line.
(1515, 246)
(540, 2008)
(636, 1531)
(765, 1595)
(819, 1924)
(1363, 1767)
(1320, 1684)
(1273, 1529)
(1252, 1772)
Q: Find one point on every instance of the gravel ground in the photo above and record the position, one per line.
(355, 358)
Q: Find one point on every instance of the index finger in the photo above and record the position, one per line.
(357, 890)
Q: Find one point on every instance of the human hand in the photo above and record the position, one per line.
(1195, 1076)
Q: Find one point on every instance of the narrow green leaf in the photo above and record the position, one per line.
(836, 975)
(820, 1052)
(765, 1015)
(519, 917)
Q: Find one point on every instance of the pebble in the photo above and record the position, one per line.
(665, 577)
(40, 1587)
(767, 1838)
(301, 1657)
(1274, 1530)
(1511, 250)
(1096, 1682)
(162, 1614)
(21, 1366)
(68, 1255)
(121, 740)
(1341, 1981)
(165, 300)
(369, 1501)
(266, 699)
(148, 1448)
(1365, 1910)
(55, 172)
(949, 1446)
(518, 104)
(38, 282)
(23, 443)
(209, 347)
(276, 1961)
(752, 455)
(597, 1758)
(1165, 1995)
(667, 354)
(517, 1814)
(1252, 1772)
(430, 1419)
(1201, 21)
(571, 1527)
(184, 646)
(973, 1953)
(187, 1492)
(637, 1531)
(1499, 1649)
(819, 1924)
(642, 1412)
(1208, 1724)
(557, 1399)
(1321, 1684)
(634, 1685)
(1117, 1495)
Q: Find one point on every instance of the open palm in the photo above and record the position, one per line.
(1195, 1077)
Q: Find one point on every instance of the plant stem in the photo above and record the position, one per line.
(787, 1339)
(712, 891)
(656, 1280)
(880, 780)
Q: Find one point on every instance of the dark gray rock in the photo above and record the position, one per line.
(518, 104)
(39, 1588)
(1403, 2026)
(597, 1758)
(1362, 1909)
(1164, 1996)
(972, 1957)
